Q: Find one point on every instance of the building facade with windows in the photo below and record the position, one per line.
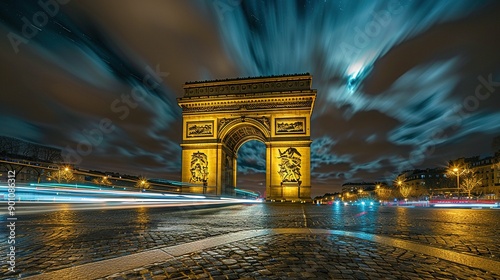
(429, 182)
(487, 169)
(353, 191)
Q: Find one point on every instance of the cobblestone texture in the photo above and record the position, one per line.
(64, 238)
(302, 257)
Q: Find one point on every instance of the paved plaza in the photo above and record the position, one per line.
(260, 241)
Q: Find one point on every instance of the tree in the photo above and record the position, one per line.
(456, 169)
(383, 192)
(470, 182)
(402, 185)
(63, 174)
(102, 181)
(405, 191)
(142, 183)
(12, 167)
(39, 172)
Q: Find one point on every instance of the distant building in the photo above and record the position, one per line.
(328, 198)
(352, 191)
(13, 148)
(430, 181)
(26, 154)
(488, 169)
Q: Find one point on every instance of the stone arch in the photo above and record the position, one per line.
(245, 121)
(220, 116)
(238, 131)
(241, 134)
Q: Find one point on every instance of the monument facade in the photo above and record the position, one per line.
(220, 116)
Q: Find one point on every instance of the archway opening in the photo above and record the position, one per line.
(251, 173)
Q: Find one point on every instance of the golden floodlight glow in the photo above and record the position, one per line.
(218, 117)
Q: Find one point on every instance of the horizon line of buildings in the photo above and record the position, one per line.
(427, 183)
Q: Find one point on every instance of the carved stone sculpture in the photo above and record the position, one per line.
(199, 168)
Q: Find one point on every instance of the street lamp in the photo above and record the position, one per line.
(59, 170)
(142, 184)
(400, 183)
(458, 180)
(456, 171)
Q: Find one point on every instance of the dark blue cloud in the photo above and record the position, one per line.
(252, 157)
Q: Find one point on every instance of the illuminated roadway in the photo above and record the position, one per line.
(64, 238)
(46, 197)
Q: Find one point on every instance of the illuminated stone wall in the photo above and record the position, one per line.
(220, 116)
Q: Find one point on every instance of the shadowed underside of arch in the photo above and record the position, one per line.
(219, 116)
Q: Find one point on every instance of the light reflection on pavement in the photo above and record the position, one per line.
(63, 237)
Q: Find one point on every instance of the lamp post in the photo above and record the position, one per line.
(456, 171)
(458, 180)
(66, 169)
(377, 191)
(399, 184)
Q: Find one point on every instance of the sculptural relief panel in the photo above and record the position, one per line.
(290, 125)
(199, 168)
(200, 129)
(290, 165)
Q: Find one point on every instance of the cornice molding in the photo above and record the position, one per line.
(249, 85)
(305, 102)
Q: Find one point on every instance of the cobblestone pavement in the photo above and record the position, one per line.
(305, 256)
(64, 238)
(469, 231)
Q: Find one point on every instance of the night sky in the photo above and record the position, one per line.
(401, 84)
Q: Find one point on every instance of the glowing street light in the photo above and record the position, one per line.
(142, 184)
(61, 169)
(455, 170)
